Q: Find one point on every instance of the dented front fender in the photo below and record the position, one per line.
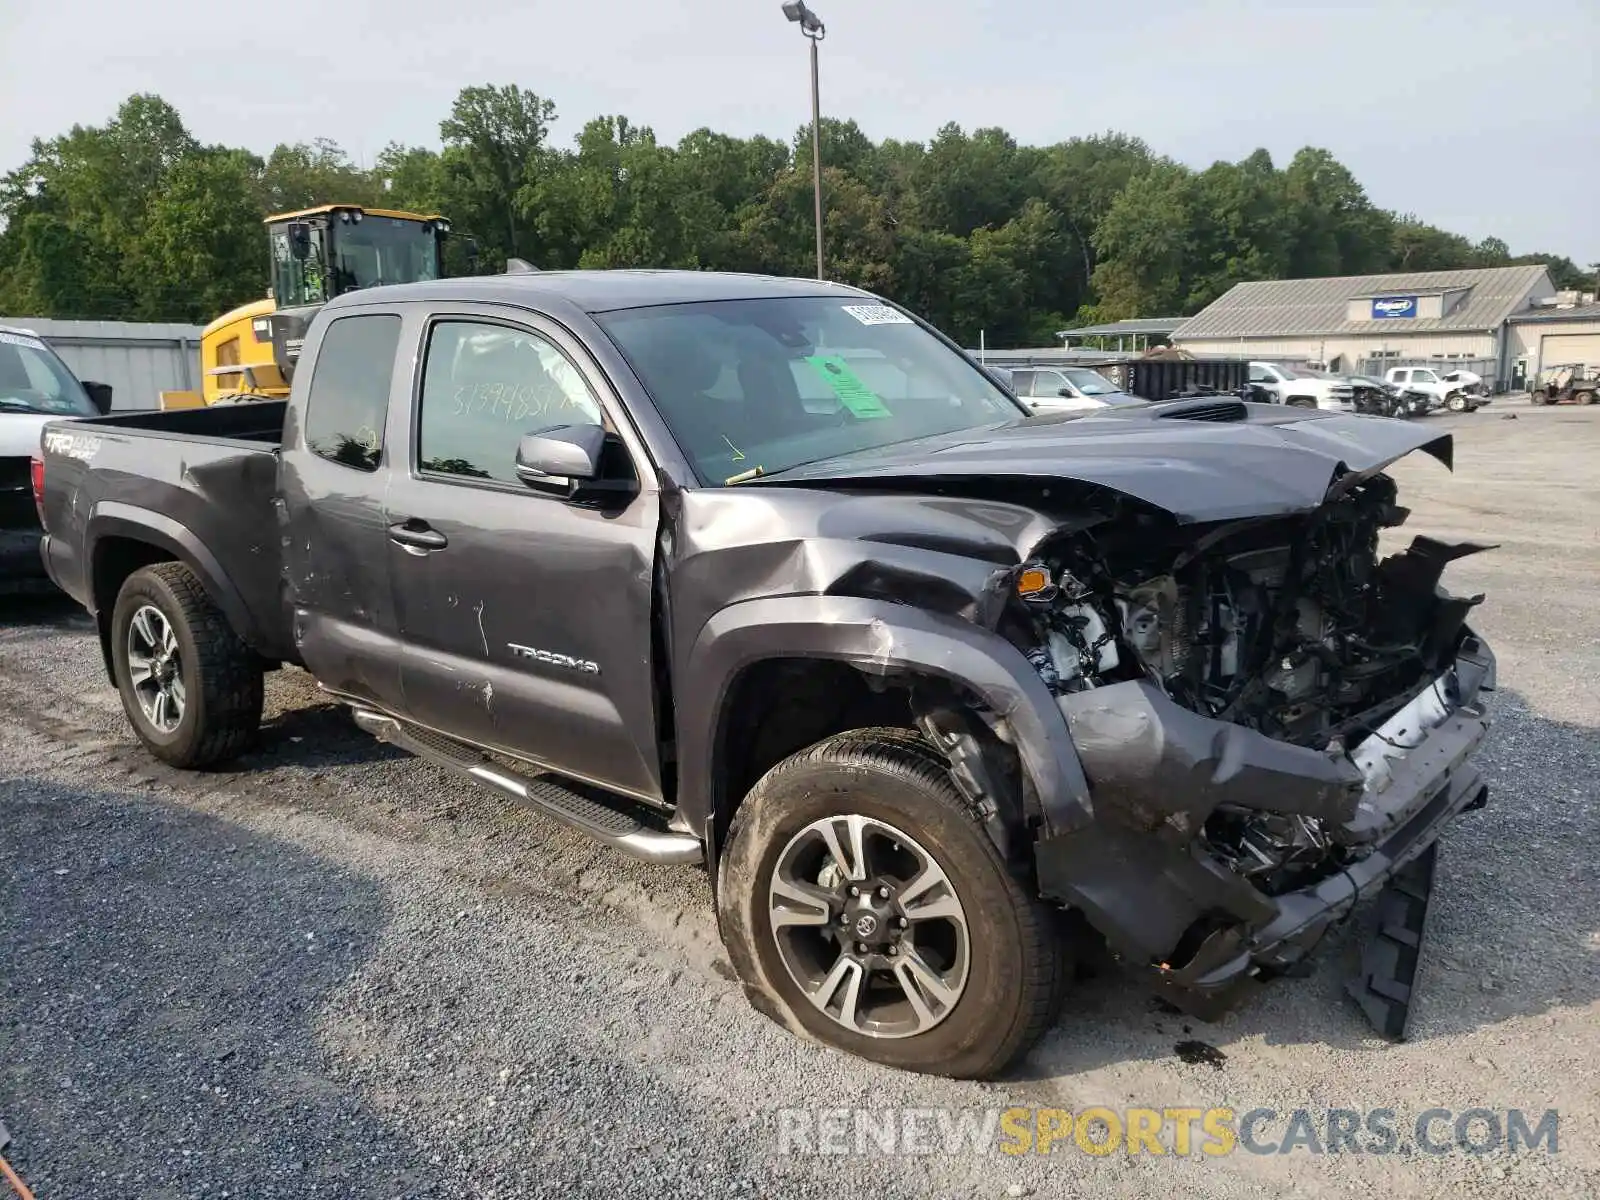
(878, 638)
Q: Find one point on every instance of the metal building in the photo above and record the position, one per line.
(1131, 336)
(139, 361)
(1556, 336)
(1364, 324)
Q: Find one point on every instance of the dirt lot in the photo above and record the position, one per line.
(332, 972)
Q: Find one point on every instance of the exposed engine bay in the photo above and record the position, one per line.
(1289, 626)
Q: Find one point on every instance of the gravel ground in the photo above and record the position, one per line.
(335, 972)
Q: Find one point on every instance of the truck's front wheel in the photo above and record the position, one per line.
(863, 904)
(191, 688)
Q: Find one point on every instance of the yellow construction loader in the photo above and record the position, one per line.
(317, 254)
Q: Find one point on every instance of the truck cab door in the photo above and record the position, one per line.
(526, 615)
(333, 475)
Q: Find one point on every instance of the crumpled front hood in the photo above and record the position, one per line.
(1276, 462)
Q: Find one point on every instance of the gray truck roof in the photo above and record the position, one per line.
(600, 291)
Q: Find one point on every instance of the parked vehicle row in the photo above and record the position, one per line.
(770, 576)
(1403, 392)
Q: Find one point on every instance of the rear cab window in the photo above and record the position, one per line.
(349, 396)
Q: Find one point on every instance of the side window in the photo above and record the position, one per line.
(349, 395)
(1259, 375)
(1022, 383)
(484, 387)
(1425, 377)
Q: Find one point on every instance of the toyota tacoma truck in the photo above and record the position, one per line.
(767, 575)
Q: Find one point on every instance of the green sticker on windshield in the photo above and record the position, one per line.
(859, 400)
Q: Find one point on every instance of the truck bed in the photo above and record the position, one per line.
(200, 483)
(259, 422)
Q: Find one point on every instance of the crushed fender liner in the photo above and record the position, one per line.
(1147, 882)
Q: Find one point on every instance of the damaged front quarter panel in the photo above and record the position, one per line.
(1207, 635)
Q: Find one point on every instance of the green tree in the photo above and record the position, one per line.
(134, 218)
(1143, 244)
(495, 148)
(305, 175)
(200, 249)
(1334, 229)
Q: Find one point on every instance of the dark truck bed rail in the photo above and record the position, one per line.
(258, 421)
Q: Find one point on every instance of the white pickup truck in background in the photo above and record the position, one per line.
(1459, 391)
(1301, 387)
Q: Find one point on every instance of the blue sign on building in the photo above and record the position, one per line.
(1391, 308)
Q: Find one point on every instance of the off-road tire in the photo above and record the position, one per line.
(1020, 965)
(1584, 397)
(1540, 397)
(1457, 403)
(221, 676)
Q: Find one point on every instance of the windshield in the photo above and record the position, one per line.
(33, 379)
(1090, 383)
(1304, 373)
(766, 385)
(350, 255)
(381, 250)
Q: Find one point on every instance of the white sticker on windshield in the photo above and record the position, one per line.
(877, 314)
(17, 339)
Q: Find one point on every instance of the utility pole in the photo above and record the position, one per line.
(812, 27)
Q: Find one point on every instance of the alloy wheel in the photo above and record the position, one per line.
(155, 668)
(869, 926)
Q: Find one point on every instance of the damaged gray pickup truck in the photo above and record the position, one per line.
(769, 575)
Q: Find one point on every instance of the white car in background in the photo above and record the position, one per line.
(35, 388)
(1301, 387)
(1058, 389)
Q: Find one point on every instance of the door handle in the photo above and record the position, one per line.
(416, 537)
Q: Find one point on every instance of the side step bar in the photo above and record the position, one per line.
(542, 793)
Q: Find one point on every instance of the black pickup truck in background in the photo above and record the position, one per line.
(767, 574)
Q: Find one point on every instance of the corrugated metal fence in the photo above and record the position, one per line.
(139, 361)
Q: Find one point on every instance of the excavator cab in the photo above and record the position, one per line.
(317, 254)
(321, 253)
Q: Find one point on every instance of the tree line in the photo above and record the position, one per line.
(137, 220)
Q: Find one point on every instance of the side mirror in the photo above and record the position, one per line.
(560, 457)
(566, 461)
(300, 240)
(1065, 393)
(99, 395)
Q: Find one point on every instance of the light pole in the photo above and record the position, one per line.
(811, 25)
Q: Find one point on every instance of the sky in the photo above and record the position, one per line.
(1480, 117)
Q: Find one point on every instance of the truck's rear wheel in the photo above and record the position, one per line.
(863, 905)
(1301, 402)
(191, 688)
